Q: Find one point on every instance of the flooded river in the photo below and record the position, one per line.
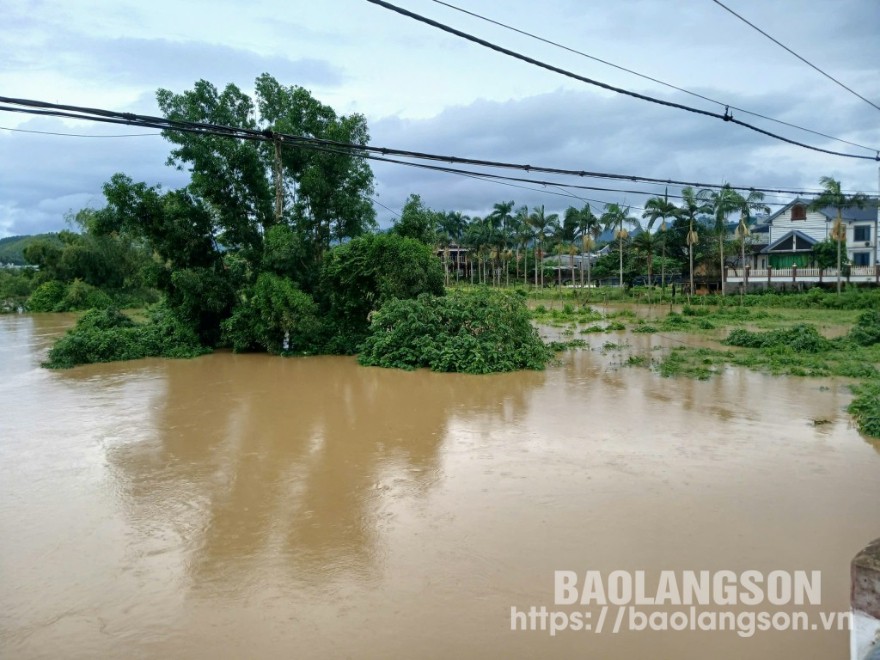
(239, 506)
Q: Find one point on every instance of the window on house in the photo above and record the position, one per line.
(862, 259)
(862, 233)
(798, 212)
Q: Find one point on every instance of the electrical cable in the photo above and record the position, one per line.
(805, 61)
(650, 78)
(643, 97)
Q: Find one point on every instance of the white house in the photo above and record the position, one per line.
(795, 229)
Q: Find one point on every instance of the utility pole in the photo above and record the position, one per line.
(279, 182)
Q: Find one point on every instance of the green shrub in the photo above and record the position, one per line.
(800, 338)
(274, 312)
(108, 335)
(687, 310)
(866, 331)
(46, 297)
(475, 332)
(80, 295)
(865, 408)
(358, 277)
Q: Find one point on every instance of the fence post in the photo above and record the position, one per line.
(794, 272)
(769, 273)
(865, 603)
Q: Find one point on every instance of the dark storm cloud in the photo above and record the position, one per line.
(172, 64)
(583, 131)
(42, 177)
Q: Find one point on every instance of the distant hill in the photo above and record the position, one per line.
(12, 247)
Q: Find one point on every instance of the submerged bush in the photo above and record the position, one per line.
(108, 335)
(46, 297)
(475, 332)
(800, 338)
(865, 408)
(866, 331)
(275, 317)
(358, 277)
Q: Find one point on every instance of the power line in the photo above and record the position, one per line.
(805, 61)
(347, 148)
(376, 201)
(643, 97)
(650, 78)
(498, 178)
(81, 135)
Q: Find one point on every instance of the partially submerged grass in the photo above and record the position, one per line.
(799, 350)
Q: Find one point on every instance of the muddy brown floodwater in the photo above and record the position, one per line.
(250, 506)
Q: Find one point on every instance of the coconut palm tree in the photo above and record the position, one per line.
(660, 208)
(502, 221)
(832, 195)
(614, 218)
(524, 238)
(543, 225)
(753, 202)
(723, 202)
(587, 229)
(450, 229)
(691, 207)
(646, 245)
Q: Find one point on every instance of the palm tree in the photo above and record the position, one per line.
(561, 248)
(754, 202)
(646, 244)
(615, 216)
(833, 196)
(450, 228)
(691, 207)
(524, 235)
(658, 208)
(587, 243)
(587, 228)
(543, 225)
(723, 202)
(502, 221)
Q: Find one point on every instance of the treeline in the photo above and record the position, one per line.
(705, 231)
(267, 249)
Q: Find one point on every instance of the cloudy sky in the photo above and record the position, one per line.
(422, 89)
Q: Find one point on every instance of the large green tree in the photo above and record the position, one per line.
(251, 185)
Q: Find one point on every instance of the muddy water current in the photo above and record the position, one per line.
(238, 506)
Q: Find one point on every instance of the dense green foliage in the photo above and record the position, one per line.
(801, 338)
(473, 332)
(418, 222)
(234, 178)
(55, 296)
(865, 408)
(815, 298)
(866, 331)
(16, 286)
(108, 335)
(274, 316)
(360, 276)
